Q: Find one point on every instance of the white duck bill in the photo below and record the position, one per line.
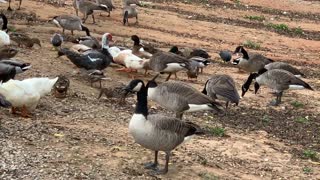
(296, 87)
(198, 107)
(27, 67)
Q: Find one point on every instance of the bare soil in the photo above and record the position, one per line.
(81, 137)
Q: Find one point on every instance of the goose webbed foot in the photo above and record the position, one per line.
(151, 165)
(9, 9)
(159, 172)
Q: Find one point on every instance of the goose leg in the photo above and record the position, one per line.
(19, 4)
(168, 77)
(227, 105)
(152, 165)
(175, 75)
(277, 101)
(94, 21)
(137, 19)
(13, 110)
(165, 170)
(9, 8)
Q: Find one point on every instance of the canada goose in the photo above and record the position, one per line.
(168, 62)
(156, 132)
(7, 53)
(9, 69)
(226, 56)
(87, 8)
(107, 3)
(23, 39)
(4, 37)
(71, 23)
(61, 87)
(222, 87)
(179, 97)
(128, 2)
(270, 66)
(250, 62)
(9, 7)
(89, 41)
(56, 40)
(130, 12)
(279, 80)
(3, 102)
(92, 59)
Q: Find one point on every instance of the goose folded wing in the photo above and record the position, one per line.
(160, 60)
(172, 125)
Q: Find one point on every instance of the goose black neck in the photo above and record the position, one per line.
(204, 91)
(245, 53)
(142, 104)
(136, 42)
(5, 22)
(249, 80)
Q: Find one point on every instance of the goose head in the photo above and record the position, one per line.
(240, 49)
(134, 86)
(106, 40)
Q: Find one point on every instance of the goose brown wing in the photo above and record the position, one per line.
(225, 87)
(159, 60)
(172, 125)
(180, 89)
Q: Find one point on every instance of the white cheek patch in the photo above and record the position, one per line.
(56, 22)
(138, 87)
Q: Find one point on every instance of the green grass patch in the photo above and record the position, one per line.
(252, 45)
(307, 170)
(279, 27)
(255, 18)
(265, 119)
(297, 104)
(217, 131)
(298, 30)
(310, 154)
(302, 120)
(208, 176)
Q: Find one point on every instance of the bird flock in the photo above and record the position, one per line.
(152, 131)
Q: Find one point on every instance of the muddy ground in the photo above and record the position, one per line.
(81, 137)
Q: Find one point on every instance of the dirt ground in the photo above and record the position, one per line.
(81, 137)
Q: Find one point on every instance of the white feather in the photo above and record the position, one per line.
(4, 39)
(198, 107)
(174, 67)
(296, 87)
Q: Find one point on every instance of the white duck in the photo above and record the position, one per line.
(26, 94)
(4, 37)
(131, 62)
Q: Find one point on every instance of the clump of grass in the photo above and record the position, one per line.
(238, 2)
(255, 18)
(298, 30)
(297, 104)
(217, 131)
(310, 154)
(302, 120)
(279, 27)
(266, 119)
(252, 45)
(208, 176)
(307, 170)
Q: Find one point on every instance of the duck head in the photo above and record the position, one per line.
(136, 40)
(106, 40)
(36, 41)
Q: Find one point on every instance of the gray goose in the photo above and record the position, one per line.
(222, 87)
(71, 23)
(179, 97)
(87, 8)
(130, 11)
(156, 132)
(270, 66)
(168, 62)
(279, 80)
(107, 3)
